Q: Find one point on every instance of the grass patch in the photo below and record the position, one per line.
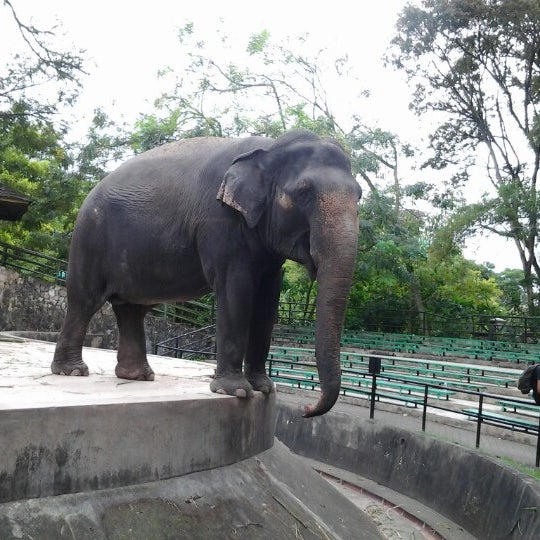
(531, 471)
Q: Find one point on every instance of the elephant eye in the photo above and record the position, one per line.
(303, 192)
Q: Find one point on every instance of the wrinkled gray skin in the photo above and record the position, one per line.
(216, 214)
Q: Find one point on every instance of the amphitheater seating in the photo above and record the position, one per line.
(436, 365)
(489, 350)
(465, 376)
(446, 370)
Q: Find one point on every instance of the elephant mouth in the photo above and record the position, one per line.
(301, 253)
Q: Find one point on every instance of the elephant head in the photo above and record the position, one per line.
(300, 195)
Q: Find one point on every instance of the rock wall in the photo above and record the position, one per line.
(28, 304)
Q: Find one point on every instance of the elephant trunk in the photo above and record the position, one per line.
(334, 247)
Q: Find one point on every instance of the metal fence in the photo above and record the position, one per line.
(32, 263)
(199, 343)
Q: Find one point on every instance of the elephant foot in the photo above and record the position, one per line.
(73, 369)
(135, 373)
(232, 385)
(262, 383)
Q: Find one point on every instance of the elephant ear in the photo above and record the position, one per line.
(243, 187)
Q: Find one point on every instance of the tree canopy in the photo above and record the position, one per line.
(476, 66)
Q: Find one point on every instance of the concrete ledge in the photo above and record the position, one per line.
(100, 458)
(64, 435)
(485, 497)
(58, 450)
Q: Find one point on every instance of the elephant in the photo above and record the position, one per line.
(216, 214)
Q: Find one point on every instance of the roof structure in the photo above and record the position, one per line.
(13, 204)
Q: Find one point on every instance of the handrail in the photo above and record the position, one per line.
(199, 342)
(33, 263)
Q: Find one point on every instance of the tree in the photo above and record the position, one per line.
(39, 69)
(391, 246)
(34, 159)
(476, 63)
(269, 89)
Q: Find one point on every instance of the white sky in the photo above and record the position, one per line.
(127, 42)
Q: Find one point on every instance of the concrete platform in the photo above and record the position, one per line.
(70, 434)
(101, 458)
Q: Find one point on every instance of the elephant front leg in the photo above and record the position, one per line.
(264, 316)
(233, 319)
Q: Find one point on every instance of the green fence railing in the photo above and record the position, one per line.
(28, 262)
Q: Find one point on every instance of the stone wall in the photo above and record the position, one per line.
(28, 304)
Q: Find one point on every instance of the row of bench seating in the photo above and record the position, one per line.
(490, 350)
(444, 377)
(477, 376)
(283, 370)
(516, 423)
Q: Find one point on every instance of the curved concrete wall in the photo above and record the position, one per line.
(68, 449)
(486, 498)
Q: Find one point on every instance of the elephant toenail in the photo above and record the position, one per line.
(76, 372)
(240, 393)
(221, 391)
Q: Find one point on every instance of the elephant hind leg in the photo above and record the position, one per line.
(132, 361)
(68, 352)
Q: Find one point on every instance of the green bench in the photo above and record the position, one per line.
(423, 376)
(463, 347)
(363, 380)
(518, 406)
(512, 422)
(347, 390)
(285, 369)
(454, 384)
(291, 373)
(453, 373)
(302, 384)
(297, 372)
(476, 375)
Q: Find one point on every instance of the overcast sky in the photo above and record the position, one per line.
(127, 42)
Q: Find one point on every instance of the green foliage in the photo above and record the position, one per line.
(401, 275)
(34, 161)
(219, 99)
(258, 42)
(38, 65)
(458, 285)
(298, 293)
(513, 288)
